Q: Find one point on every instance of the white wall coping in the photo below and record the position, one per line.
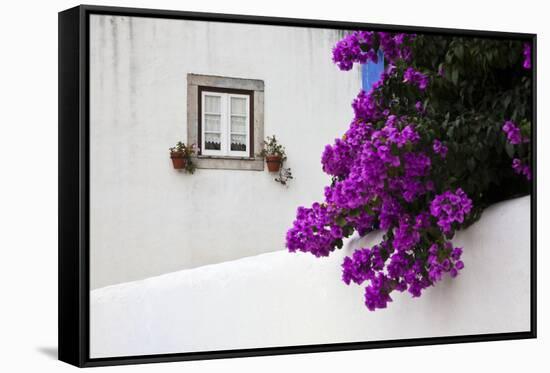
(282, 299)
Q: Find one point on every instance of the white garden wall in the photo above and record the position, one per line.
(147, 219)
(281, 299)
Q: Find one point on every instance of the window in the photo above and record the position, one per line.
(225, 119)
(225, 122)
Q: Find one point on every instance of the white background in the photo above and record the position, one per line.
(28, 198)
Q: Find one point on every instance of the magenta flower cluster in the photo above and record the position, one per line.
(513, 133)
(444, 259)
(440, 149)
(514, 137)
(521, 168)
(411, 76)
(379, 168)
(362, 46)
(391, 266)
(450, 207)
(527, 56)
(382, 172)
(314, 230)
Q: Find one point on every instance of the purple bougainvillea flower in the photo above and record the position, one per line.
(439, 148)
(450, 207)
(362, 46)
(386, 174)
(416, 78)
(513, 133)
(527, 56)
(521, 169)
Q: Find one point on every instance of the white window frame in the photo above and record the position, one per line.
(225, 125)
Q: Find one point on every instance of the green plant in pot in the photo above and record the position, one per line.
(181, 157)
(274, 154)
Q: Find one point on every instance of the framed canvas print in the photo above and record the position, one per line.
(235, 186)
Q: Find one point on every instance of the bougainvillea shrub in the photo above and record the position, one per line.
(444, 133)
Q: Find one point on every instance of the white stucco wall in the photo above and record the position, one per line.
(284, 299)
(146, 218)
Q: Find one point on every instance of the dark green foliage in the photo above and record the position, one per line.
(475, 86)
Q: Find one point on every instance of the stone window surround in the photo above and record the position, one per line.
(252, 163)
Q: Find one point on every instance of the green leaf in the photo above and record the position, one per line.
(507, 101)
(393, 171)
(509, 149)
(459, 51)
(454, 76)
(451, 132)
(355, 212)
(394, 149)
(433, 232)
(368, 209)
(471, 164)
(341, 221)
(348, 231)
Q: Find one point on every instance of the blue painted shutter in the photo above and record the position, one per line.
(371, 72)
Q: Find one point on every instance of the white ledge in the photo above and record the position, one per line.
(282, 299)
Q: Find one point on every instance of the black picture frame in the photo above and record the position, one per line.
(74, 194)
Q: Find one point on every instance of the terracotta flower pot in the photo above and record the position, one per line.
(273, 163)
(178, 161)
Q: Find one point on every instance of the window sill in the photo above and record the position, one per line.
(229, 163)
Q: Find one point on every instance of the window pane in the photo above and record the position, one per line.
(212, 141)
(238, 105)
(212, 123)
(238, 143)
(238, 124)
(212, 104)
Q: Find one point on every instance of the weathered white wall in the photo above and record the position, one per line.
(284, 299)
(147, 219)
